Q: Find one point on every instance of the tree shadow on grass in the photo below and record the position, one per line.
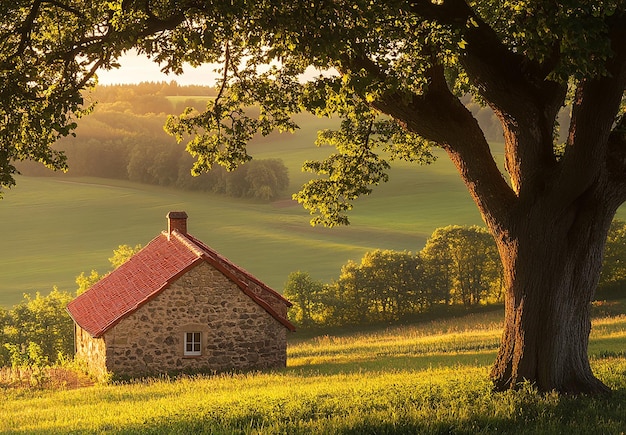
(377, 363)
(513, 412)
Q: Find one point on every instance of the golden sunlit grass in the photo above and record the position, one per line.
(430, 378)
(426, 345)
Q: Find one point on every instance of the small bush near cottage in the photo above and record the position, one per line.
(37, 331)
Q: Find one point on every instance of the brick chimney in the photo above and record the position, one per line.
(176, 220)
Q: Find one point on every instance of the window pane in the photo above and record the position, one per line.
(193, 343)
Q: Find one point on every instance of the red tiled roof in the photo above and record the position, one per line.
(148, 272)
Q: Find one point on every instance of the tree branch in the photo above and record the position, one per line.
(27, 27)
(439, 116)
(225, 75)
(514, 86)
(65, 7)
(592, 143)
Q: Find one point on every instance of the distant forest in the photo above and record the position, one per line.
(124, 139)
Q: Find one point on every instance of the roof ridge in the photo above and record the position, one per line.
(184, 239)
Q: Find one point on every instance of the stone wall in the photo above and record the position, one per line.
(277, 303)
(91, 351)
(273, 301)
(237, 333)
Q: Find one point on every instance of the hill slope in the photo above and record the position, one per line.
(60, 227)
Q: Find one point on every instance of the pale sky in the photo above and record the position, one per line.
(137, 69)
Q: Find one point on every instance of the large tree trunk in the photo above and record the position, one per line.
(552, 265)
(550, 216)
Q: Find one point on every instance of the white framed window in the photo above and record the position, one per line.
(192, 343)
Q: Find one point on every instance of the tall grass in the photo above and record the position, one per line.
(409, 379)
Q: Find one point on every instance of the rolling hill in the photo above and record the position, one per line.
(56, 228)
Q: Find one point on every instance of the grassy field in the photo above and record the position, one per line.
(56, 228)
(421, 378)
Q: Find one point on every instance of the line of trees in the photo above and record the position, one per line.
(459, 265)
(124, 139)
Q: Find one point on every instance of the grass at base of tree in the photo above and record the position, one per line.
(428, 378)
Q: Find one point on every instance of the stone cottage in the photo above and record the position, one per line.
(179, 306)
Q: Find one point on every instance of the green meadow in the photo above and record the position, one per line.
(56, 228)
(429, 378)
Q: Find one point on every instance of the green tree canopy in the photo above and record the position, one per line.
(41, 321)
(307, 298)
(464, 264)
(614, 262)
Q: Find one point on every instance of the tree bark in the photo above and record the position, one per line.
(552, 265)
